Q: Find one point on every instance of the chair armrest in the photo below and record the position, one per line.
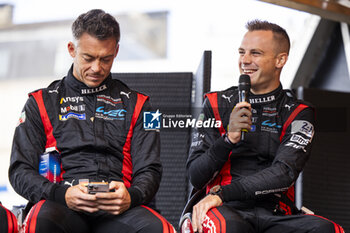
(305, 210)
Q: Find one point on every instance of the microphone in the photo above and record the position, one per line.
(243, 90)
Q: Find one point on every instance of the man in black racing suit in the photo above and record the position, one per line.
(94, 126)
(250, 182)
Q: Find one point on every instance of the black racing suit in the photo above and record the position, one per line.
(261, 170)
(99, 134)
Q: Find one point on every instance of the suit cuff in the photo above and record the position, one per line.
(222, 149)
(58, 194)
(136, 197)
(233, 192)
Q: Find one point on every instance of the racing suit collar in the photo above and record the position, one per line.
(265, 98)
(82, 88)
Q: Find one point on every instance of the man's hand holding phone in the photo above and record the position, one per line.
(116, 201)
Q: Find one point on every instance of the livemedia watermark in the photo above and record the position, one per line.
(157, 120)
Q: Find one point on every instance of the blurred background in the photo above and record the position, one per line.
(164, 36)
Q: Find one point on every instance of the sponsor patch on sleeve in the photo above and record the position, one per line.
(197, 139)
(299, 140)
(302, 133)
(303, 127)
(22, 118)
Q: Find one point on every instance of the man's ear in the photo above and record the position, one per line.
(71, 49)
(117, 50)
(281, 60)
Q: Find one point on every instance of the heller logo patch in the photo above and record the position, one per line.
(93, 90)
(151, 120)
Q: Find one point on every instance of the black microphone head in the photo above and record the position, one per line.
(244, 82)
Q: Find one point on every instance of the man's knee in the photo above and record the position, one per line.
(328, 227)
(8, 221)
(230, 226)
(37, 221)
(48, 216)
(323, 225)
(223, 219)
(154, 222)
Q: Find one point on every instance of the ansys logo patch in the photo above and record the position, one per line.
(151, 120)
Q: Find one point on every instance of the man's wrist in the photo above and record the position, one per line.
(217, 190)
(227, 140)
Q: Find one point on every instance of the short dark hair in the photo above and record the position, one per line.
(96, 23)
(280, 34)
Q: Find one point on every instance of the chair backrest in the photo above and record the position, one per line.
(326, 186)
(173, 93)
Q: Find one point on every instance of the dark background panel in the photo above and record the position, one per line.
(326, 177)
(170, 93)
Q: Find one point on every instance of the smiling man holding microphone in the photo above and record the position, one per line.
(250, 164)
